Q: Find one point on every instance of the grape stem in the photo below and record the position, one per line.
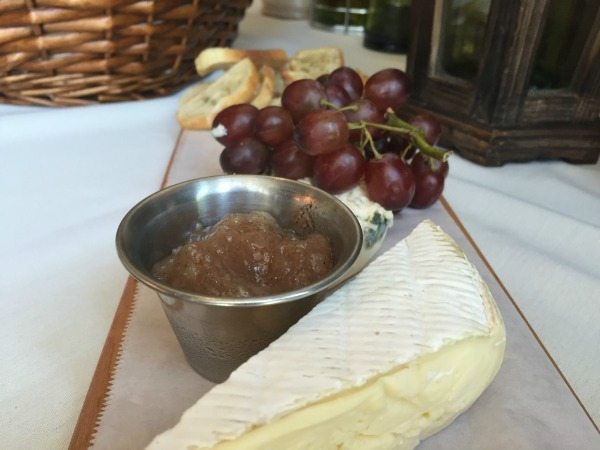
(405, 152)
(342, 109)
(399, 125)
(371, 142)
(395, 125)
(418, 140)
(417, 137)
(365, 137)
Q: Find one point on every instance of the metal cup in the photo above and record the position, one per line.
(217, 334)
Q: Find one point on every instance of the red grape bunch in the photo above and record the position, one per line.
(338, 131)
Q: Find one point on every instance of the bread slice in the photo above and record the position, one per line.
(279, 84)
(312, 63)
(265, 92)
(278, 91)
(216, 58)
(237, 85)
(193, 91)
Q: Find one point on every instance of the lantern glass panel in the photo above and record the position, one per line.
(568, 25)
(463, 31)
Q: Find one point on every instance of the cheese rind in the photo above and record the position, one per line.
(385, 361)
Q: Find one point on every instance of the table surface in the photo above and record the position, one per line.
(68, 176)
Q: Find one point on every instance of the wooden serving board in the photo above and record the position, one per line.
(142, 383)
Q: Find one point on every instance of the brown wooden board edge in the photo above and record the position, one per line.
(100, 386)
(454, 217)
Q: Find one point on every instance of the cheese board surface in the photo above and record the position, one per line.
(143, 383)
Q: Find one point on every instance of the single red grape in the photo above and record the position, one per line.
(234, 123)
(428, 188)
(248, 156)
(322, 131)
(429, 125)
(388, 88)
(302, 97)
(349, 80)
(289, 161)
(367, 111)
(340, 170)
(422, 164)
(389, 182)
(336, 95)
(273, 125)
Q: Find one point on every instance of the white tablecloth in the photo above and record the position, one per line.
(67, 176)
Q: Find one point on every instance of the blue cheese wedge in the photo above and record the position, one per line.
(374, 218)
(387, 360)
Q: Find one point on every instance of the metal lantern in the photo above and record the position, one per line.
(510, 80)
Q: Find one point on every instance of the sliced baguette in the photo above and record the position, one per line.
(265, 92)
(312, 63)
(193, 91)
(279, 84)
(238, 84)
(216, 58)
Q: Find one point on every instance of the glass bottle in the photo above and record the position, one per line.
(286, 9)
(344, 16)
(387, 26)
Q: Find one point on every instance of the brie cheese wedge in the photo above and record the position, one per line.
(387, 360)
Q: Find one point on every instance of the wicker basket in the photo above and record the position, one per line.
(74, 52)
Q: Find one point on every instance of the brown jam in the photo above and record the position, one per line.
(246, 255)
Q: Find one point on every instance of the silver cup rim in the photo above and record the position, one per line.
(330, 281)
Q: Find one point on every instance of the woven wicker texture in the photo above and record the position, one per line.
(73, 52)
